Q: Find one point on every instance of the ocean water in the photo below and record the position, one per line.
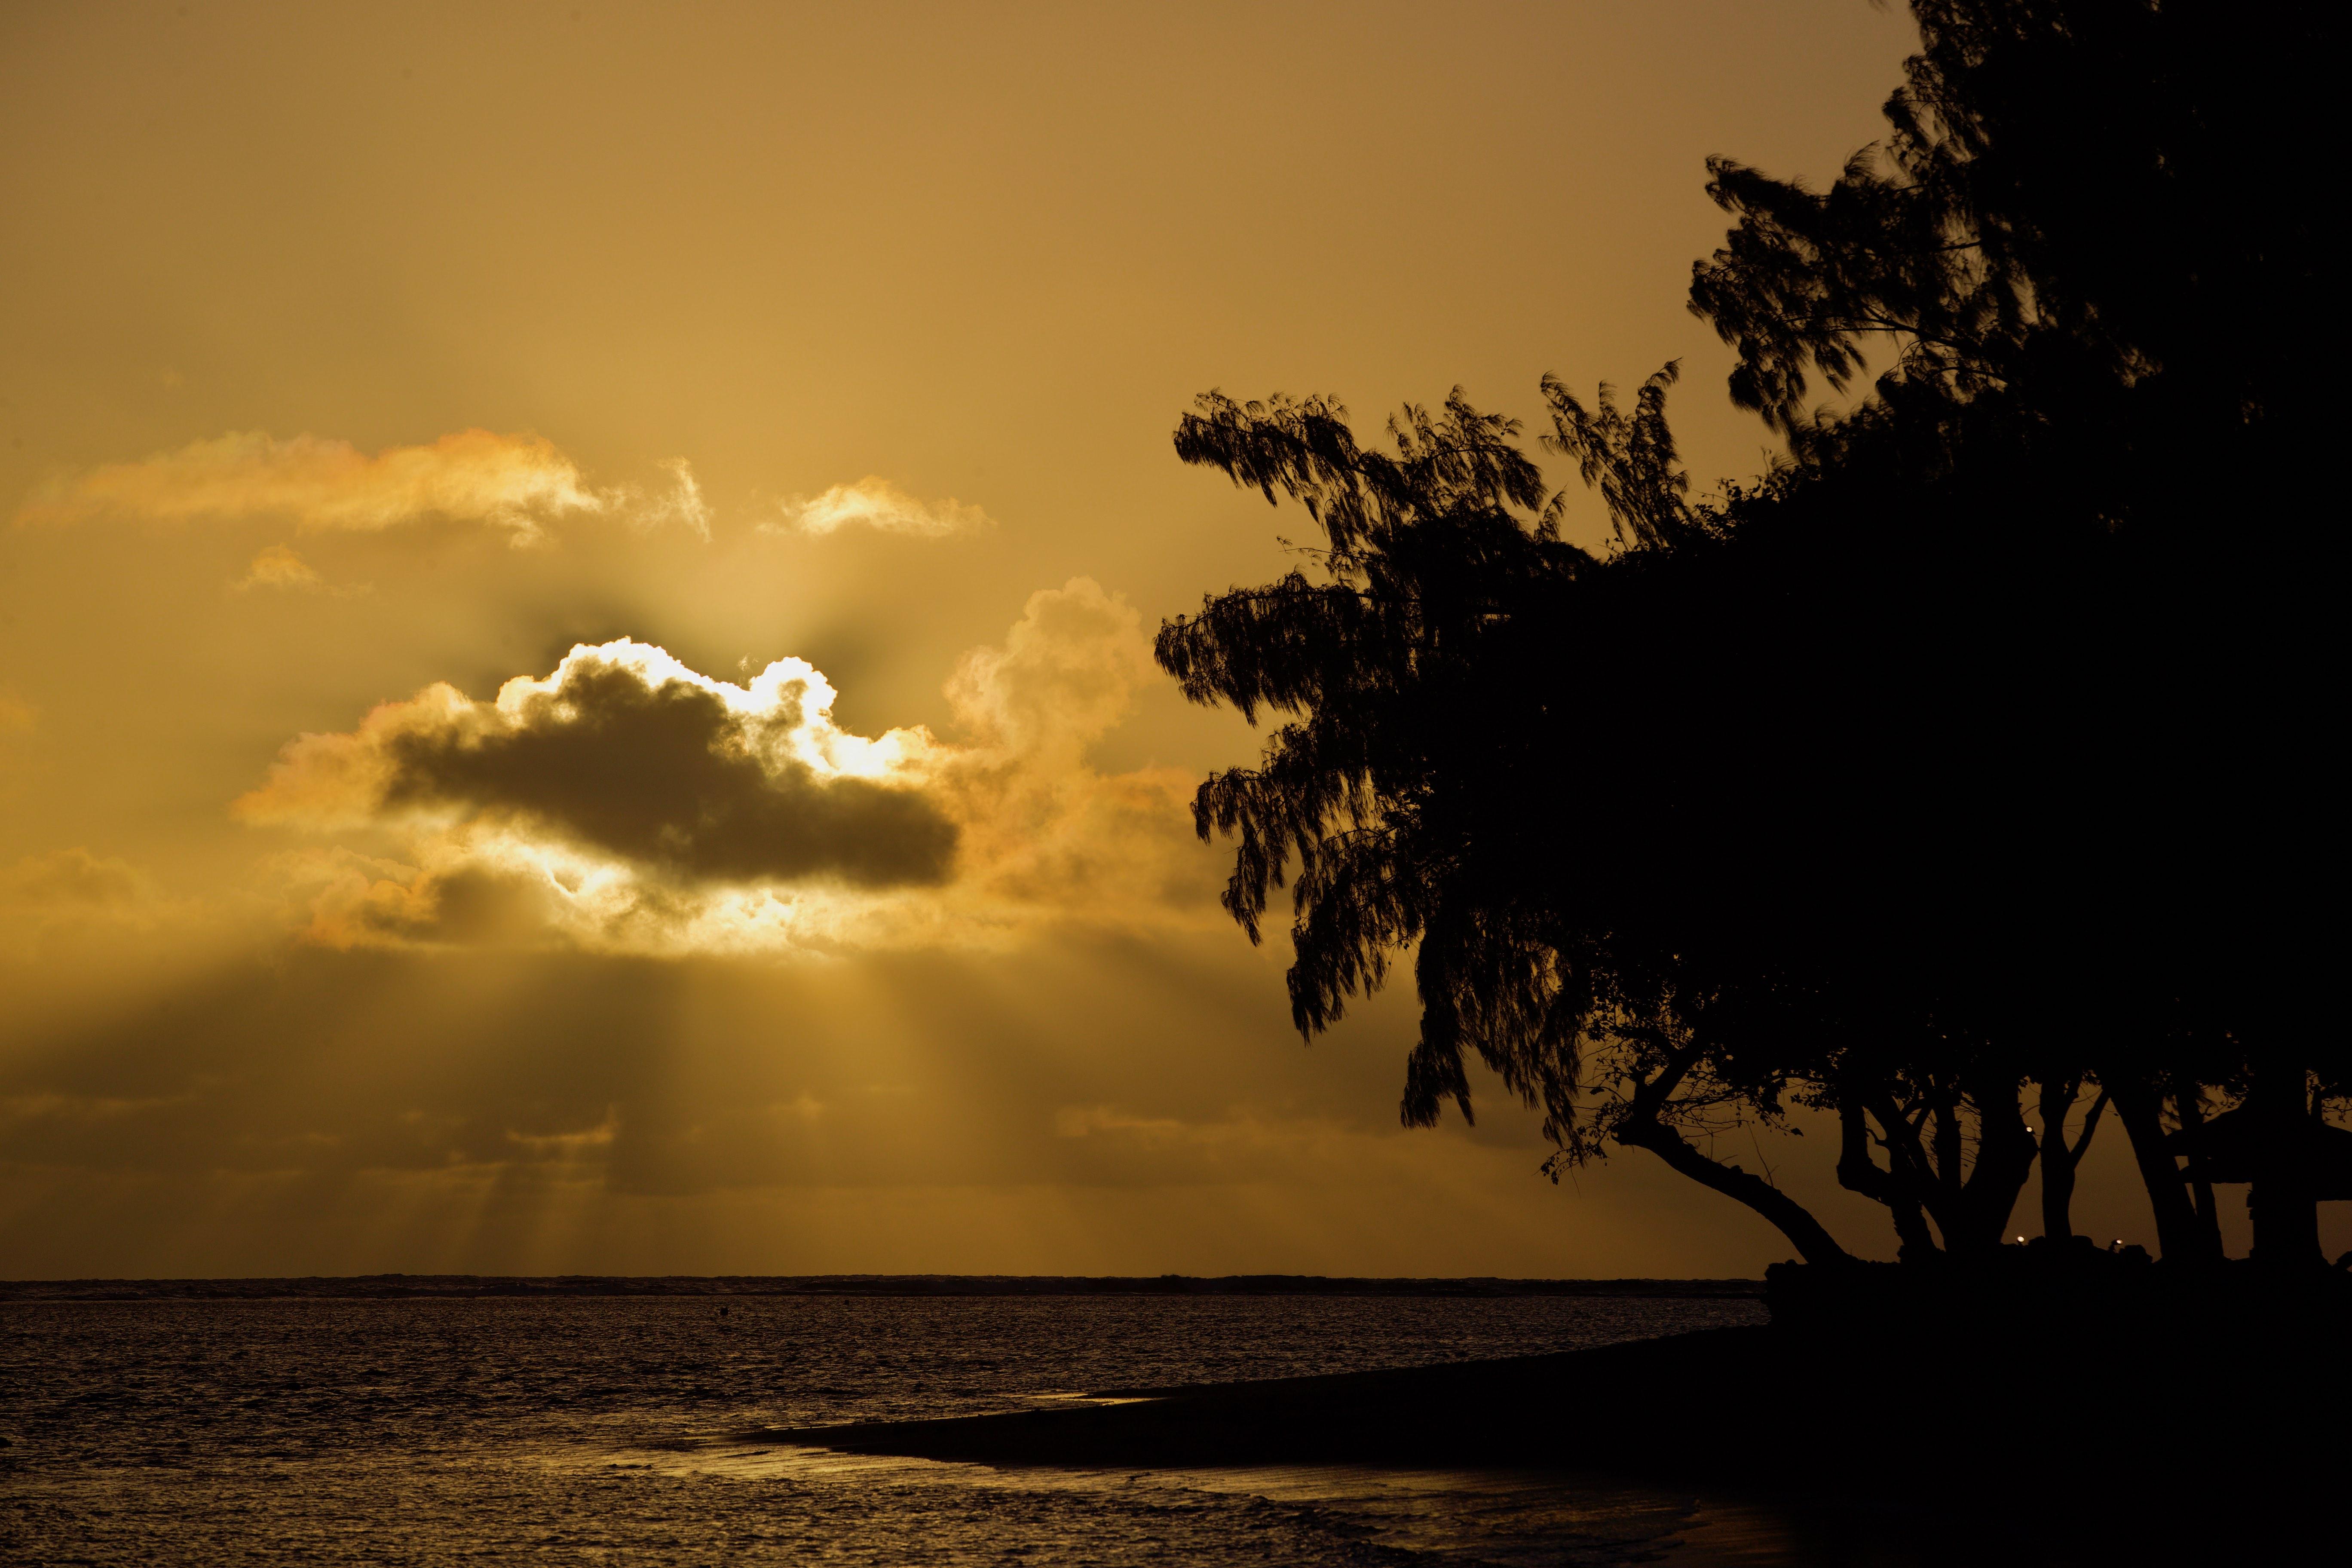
(614, 1430)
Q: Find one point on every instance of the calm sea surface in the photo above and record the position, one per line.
(608, 1430)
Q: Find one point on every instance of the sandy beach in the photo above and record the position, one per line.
(2139, 1465)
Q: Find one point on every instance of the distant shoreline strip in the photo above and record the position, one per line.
(463, 1287)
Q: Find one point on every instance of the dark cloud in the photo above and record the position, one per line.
(623, 751)
(698, 803)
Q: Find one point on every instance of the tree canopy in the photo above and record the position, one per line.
(1965, 751)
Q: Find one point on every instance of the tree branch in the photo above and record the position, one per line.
(1642, 1128)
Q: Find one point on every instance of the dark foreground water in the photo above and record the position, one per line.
(609, 1430)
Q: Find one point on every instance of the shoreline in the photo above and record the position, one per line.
(472, 1287)
(1448, 1413)
(1840, 1419)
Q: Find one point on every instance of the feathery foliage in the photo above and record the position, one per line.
(1950, 756)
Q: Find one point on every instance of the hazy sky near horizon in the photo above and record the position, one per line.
(575, 600)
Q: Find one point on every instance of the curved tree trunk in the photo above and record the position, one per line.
(1813, 1241)
(1643, 1127)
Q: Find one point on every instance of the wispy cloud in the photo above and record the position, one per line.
(513, 482)
(279, 567)
(280, 570)
(684, 503)
(877, 503)
(682, 507)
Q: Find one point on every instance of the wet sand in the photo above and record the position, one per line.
(1579, 1407)
(2138, 1461)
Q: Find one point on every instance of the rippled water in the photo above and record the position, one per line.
(607, 1430)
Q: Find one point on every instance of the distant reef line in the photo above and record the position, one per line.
(398, 1286)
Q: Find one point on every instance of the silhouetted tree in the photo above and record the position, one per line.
(1948, 760)
(1425, 788)
(2062, 1152)
(2078, 253)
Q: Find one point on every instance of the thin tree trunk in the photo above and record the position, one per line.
(2178, 1236)
(2190, 1103)
(1917, 1175)
(1858, 1173)
(2284, 1213)
(2004, 1163)
(2057, 1101)
(2062, 1160)
(1952, 1216)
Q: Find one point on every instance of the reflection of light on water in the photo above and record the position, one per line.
(1506, 1518)
(779, 1462)
(1503, 1518)
(420, 1431)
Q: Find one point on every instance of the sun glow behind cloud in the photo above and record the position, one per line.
(628, 802)
(486, 969)
(929, 272)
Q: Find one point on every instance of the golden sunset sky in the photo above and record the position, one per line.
(574, 603)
